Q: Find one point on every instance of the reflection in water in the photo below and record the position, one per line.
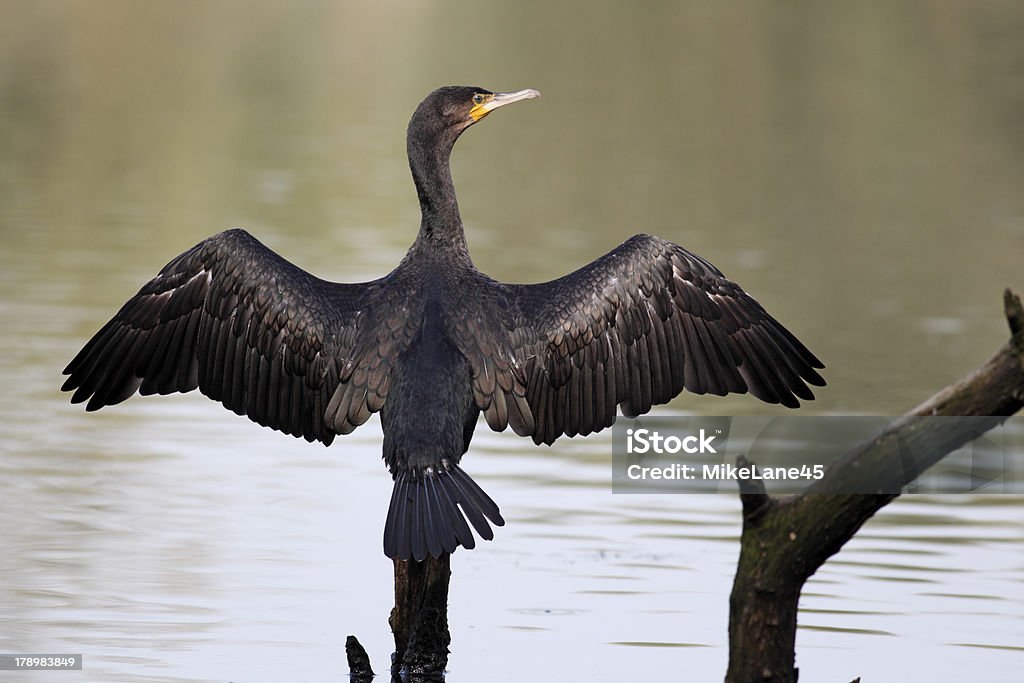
(858, 164)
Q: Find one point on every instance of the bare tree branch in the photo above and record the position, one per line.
(786, 540)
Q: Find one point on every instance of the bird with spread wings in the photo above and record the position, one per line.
(435, 343)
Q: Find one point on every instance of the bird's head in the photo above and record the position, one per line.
(448, 111)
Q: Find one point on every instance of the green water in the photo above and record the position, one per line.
(856, 166)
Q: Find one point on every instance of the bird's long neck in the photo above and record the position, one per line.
(429, 159)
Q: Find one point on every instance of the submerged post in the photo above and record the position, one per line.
(419, 619)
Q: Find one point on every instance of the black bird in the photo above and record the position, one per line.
(436, 342)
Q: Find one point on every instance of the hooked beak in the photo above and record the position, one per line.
(500, 99)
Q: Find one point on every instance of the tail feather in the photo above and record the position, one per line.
(428, 513)
(430, 506)
(456, 521)
(436, 517)
(419, 527)
(395, 535)
(476, 504)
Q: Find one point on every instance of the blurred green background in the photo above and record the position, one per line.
(857, 166)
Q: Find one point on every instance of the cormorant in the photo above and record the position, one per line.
(436, 342)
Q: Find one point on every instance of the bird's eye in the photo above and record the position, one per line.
(478, 99)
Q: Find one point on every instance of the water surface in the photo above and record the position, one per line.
(858, 167)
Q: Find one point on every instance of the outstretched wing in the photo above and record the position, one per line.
(634, 328)
(251, 330)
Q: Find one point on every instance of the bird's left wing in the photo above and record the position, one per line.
(632, 329)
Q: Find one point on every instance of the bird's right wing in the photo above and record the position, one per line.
(249, 329)
(632, 329)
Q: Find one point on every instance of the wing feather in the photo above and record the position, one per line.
(633, 329)
(253, 331)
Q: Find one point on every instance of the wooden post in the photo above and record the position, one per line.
(419, 619)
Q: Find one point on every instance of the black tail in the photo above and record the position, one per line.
(424, 516)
